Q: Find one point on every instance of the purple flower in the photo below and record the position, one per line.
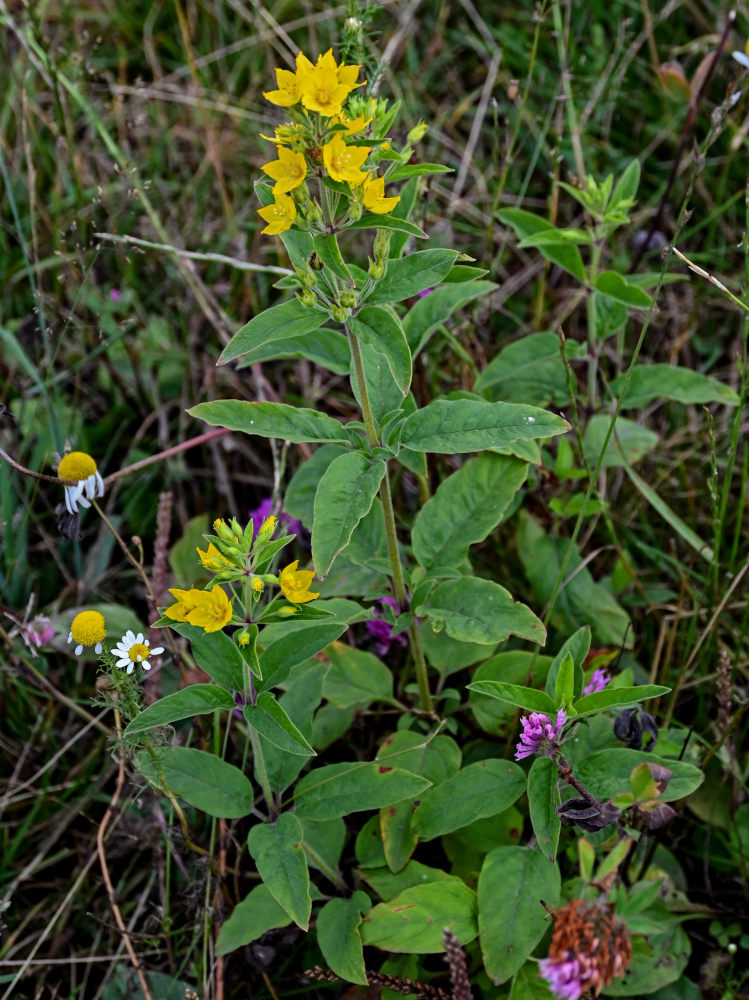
(598, 681)
(38, 632)
(537, 729)
(382, 630)
(257, 516)
(114, 295)
(426, 291)
(568, 978)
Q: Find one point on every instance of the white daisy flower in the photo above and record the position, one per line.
(88, 628)
(132, 649)
(81, 469)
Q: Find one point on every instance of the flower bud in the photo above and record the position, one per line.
(267, 528)
(352, 26)
(223, 531)
(354, 211)
(376, 271)
(315, 263)
(417, 133)
(348, 299)
(306, 275)
(382, 246)
(287, 611)
(307, 297)
(339, 313)
(314, 213)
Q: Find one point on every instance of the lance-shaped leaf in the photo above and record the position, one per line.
(338, 935)
(663, 381)
(542, 799)
(295, 646)
(482, 789)
(466, 507)
(215, 653)
(617, 698)
(389, 222)
(197, 699)
(326, 348)
(414, 921)
(381, 329)
(474, 610)
(257, 913)
(290, 423)
(410, 275)
(288, 319)
(526, 224)
(614, 286)
(345, 494)
(278, 853)
(512, 921)
(526, 698)
(576, 647)
(339, 789)
(201, 779)
(451, 426)
(431, 311)
(269, 718)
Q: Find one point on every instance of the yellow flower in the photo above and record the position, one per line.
(374, 196)
(353, 125)
(288, 171)
(212, 611)
(325, 86)
(88, 628)
(288, 92)
(343, 162)
(257, 584)
(279, 216)
(214, 560)
(185, 604)
(81, 468)
(295, 584)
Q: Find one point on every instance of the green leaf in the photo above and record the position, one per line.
(542, 797)
(428, 313)
(452, 426)
(289, 319)
(475, 610)
(513, 667)
(576, 647)
(613, 286)
(257, 913)
(201, 779)
(381, 329)
(466, 507)
(327, 249)
(295, 646)
(657, 960)
(398, 838)
(327, 348)
(482, 789)
(415, 919)
(526, 224)
(607, 772)
(512, 921)
(197, 699)
(580, 600)
(628, 443)
(345, 494)
(660, 381)
(526, 698)
(356, 677)
(564, 685)
(290, 423)
(299, 499)
(417, 170)
(269, 718)
(600, 701)
(626, 186)
(555, 237)
(277, 851)
(530, 370)
(338, 935)
(215, 653)
(323, 842)
(671, 517)
(388, 884)
(410, 275)
(339, 789)
(389, 222)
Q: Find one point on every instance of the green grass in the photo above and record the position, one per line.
(142, 121)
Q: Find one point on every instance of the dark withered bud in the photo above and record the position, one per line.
(589, 816)
(67, 524)
(315, 263)
(660, 815)
(632, 724)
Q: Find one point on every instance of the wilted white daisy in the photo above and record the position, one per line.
(132, 649)
(88, 628)
(81, 468)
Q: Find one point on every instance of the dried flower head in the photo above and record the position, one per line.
(589, 948)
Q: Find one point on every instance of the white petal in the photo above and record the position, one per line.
(70, 637)
(78, 650)
(70, 499)
(146, 665)
(741, 57)
(131, 667)
(99, 483)
(97, 647)
(157, 650)
(123, 662)
(140, 638)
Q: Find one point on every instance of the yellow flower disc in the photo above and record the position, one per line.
(76, 466)
(88, 627)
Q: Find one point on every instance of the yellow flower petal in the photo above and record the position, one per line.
(279, 216)
(343, 162)
(295, 584)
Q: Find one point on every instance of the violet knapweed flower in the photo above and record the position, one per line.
(382, 630)
(261, 513)
(537, 730)
(598, 681)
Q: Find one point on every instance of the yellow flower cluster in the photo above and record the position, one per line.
(305, 146)
(209, 610)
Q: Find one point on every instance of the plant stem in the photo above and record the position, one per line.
(593, 345)
(399, 585)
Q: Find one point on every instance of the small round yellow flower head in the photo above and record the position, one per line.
(212, 609)
(88, 628)
(257, 584)
(132, 649)
(374, 196)
(280, 215)
(343, 162)
(288, 171)
(295, 584)
(81, 468)
(288, 92)
(214, 560)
